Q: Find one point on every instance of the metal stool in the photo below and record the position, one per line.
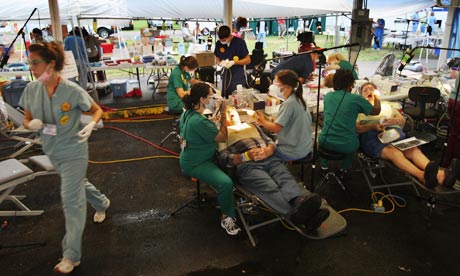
(331, 156)
(175, 125)
(197, 202)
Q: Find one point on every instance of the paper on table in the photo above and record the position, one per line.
(408, 143)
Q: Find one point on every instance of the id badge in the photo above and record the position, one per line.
(49, 129)
(183, 144)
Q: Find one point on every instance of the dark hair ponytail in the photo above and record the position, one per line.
(291, 79)
(198, 91)
(299, 94)
(189, 61)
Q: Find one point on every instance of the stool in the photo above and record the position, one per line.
(174, 132)
(197, 202)
(306, 160)
(331, 156)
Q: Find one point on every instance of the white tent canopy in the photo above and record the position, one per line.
(172, 9)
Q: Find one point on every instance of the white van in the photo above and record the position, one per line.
(106, 27)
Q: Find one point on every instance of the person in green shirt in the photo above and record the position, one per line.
(179, 83)
(198, 150)
(341, 109)
(337, 61)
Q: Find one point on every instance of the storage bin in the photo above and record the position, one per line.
(107, 48)
(119, 87)
(12, 92)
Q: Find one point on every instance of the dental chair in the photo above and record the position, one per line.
(371, 168)
(12, 128)
(248, 205)
(14, 173)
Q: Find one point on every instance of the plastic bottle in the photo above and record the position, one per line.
(209, 44)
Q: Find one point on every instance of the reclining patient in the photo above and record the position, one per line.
(412, 160)
(250, 152)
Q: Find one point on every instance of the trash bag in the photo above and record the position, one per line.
(386, 65)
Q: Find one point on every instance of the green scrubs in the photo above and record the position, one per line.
(177, 79)
(348, 66)
(197, 159)
(341, 109)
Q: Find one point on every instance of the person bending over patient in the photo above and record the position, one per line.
(337, 61)
(412, 160)
(198, 151)
(293, 122)
(341, 108)
(250, 152)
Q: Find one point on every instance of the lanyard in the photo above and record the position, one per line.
(51, 101)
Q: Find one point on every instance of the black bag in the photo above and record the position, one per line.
(454, 62)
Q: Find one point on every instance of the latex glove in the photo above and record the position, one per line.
(229, 64)
(35, 124)
(223, 63)
(86, 132)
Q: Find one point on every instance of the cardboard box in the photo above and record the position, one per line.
(205, 58)
(149, 32)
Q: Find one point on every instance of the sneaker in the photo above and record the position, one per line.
(99, 217)
(65, 266)
(304, 208)
(229, 224)
(316, 220)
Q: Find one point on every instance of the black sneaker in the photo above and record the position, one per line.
(316, 220)
(305, 208)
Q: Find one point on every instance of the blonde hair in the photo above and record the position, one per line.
(337, 56)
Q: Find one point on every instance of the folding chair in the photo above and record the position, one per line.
(248, 204)
(12, 128)
(371, 167)
(14, 173)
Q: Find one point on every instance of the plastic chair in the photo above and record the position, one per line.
(423, 96)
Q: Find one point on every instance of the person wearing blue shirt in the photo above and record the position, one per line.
(415, 21)
(231, 53)
(74, 43)
(378, 33)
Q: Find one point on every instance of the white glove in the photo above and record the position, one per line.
(86, 132)
(229, 64)
(223, 63)
(35, 124)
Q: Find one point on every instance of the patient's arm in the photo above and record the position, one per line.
(361, 128)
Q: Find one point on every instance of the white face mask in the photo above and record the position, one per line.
(210, 105)
(192, 73)
(274, 90)
(46, 75)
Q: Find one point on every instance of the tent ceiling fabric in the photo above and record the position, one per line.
(247, 8)
(21, 9)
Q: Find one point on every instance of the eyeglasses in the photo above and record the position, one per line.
(35, 61)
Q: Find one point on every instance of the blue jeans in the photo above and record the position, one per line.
(272, 181)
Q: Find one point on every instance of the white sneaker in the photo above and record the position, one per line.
(229, 224)
(65, 266)
(99, 217)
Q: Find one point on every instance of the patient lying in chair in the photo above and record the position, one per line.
(251, 152)
(412, 160)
